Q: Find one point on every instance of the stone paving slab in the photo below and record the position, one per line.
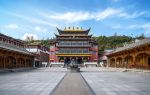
(118, 83)
(72, 84)
(103, 81)
(97, 69)
(29, 83)
(52, 69)
(110, 69)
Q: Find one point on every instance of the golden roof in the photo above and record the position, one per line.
(73, 29)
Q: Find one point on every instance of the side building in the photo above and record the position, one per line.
(41, 54)
(13, 53)
(74, 43)
(135, 55)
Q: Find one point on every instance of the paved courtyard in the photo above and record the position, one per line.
(37, 82)
(99, 81)
(118, 83)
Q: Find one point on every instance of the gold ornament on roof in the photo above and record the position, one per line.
(77, 29)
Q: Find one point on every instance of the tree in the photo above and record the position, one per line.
(142, 36)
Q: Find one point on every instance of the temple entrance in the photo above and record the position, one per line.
(85, 59)
(79, 60)
(67, 60)
(61, 59)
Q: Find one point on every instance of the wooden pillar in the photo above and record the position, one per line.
(134, 61)
(15, 60)
(25, 62)
(116, 62)
(123, 62)
(4, 62)
(108, 62)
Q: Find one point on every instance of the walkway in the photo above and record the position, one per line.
(73, 84)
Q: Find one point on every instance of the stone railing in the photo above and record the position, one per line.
(90, 64)
(56, 64)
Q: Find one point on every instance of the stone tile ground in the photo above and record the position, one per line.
(118, 83)
(37, 82)
(103, 81)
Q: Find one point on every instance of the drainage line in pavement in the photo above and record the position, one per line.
(88, 85)
(52, 92)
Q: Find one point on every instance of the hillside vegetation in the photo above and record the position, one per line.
(104, 42)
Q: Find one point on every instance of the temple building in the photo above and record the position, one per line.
(135, 55)
(74, 43)
(13, 53)
(41, 54)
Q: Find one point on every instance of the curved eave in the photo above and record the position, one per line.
(87, 31)
(59, 30)
(56, 35)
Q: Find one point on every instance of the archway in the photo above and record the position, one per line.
(1, 62)
(79, 60)
(20, 62)
(85, 59)
(112, 62)
(74, 59)
(128, 62)
(28, 63)
(142, 61)
(10, 62)
(119, 62)
(61, 59)
(67, 60)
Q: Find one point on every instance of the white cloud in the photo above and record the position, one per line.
(32, 19)
(39, 29)
(106, 13)
(145, 27)
(132, 15)
(29, 35)
(36, 20)
(71, 17)
(138, 26)
(12, 26)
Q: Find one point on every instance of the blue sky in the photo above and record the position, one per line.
(39, 18)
